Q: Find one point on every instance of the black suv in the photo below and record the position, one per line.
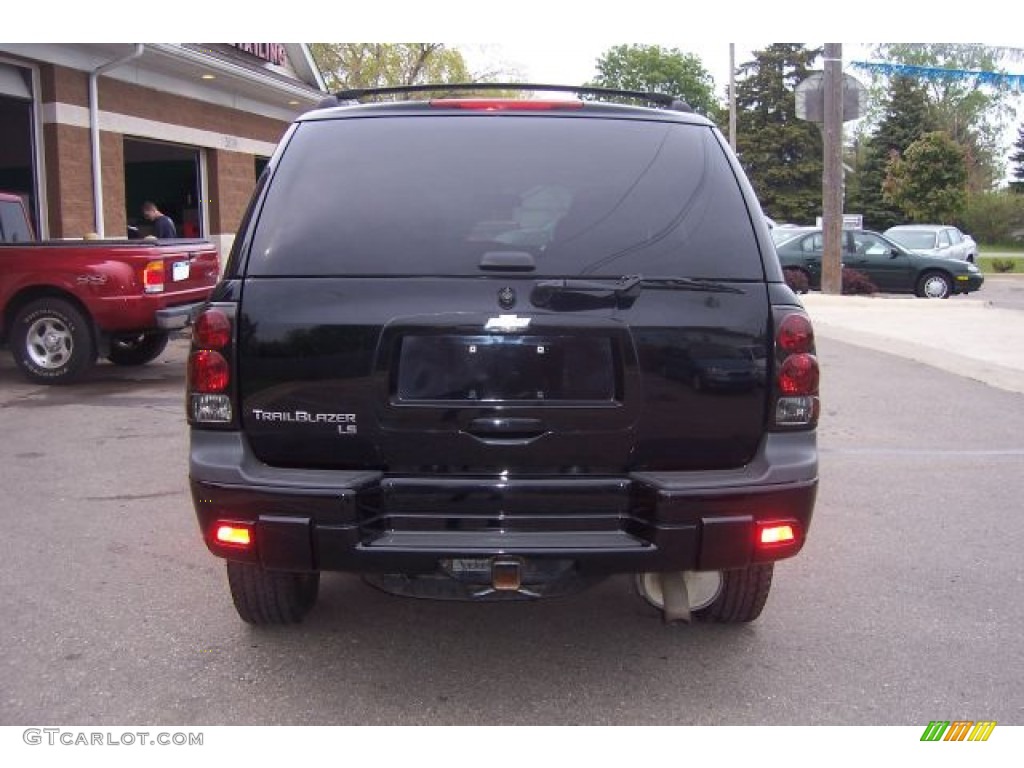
(479, 348)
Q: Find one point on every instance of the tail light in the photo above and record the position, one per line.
(153, 277)
(796, 401)
(507, 105)
(209, 368)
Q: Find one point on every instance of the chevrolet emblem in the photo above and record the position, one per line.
(507, 323)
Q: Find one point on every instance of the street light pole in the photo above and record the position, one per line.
(832, 177)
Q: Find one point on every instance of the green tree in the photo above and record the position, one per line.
(781, 154)
(1017, 158)
(994, 217)
(973, 111)
(929, 181)
(657, 69)
(375, 65)
(907, 118)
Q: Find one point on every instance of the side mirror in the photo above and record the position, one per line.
(895, 253)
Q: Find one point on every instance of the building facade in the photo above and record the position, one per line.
(89, 132)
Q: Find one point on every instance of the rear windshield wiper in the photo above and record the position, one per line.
(627, 286)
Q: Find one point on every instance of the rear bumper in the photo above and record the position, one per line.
(177, 317)
(129, 314)
(368, 522)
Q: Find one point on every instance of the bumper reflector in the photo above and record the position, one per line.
(777, 534)
(233, 535)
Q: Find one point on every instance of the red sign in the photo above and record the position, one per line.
(272, 52)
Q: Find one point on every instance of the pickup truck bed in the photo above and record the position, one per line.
(65, 303)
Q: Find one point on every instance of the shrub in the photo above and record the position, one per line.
(857, 283)
(796, 280)
(993, 217)
(1003, 265)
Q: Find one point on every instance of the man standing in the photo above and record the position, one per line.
(163, 226)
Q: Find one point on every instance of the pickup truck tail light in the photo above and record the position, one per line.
(153, 277)
(210, 378)
(795, 396)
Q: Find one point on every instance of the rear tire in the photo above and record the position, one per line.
(137, 350)
(268, 598)
(51, 341)
(744, 593)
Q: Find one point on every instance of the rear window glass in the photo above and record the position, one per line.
(13, 227)
(434, 195)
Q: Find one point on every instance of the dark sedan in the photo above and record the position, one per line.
(890, 266)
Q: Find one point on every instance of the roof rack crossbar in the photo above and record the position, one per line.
(661, 99)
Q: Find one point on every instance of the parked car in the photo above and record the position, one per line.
(788, 232)
(502, 349)
(890, 266)
(935, 240)
(65, 303)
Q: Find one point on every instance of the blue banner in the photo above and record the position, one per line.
(997, 79)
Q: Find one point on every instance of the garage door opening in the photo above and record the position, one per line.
(167, 174)
(17, 151)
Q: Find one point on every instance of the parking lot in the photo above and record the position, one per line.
(907, 604)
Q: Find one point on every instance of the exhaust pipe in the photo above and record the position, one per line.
(676, 597)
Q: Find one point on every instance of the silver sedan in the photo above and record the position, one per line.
(943, 241)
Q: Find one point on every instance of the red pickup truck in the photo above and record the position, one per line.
(64, 303)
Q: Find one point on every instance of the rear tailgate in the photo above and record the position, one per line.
(404, 317)
(673, 382)
(188, 267)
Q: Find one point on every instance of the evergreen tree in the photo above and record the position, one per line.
(1017, 158)
(973, 111)
(781, 154)
(907, 117)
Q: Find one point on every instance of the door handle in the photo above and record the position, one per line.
(506, 429)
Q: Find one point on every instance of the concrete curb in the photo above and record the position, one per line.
(970, 339)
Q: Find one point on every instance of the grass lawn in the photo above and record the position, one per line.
(987, 254)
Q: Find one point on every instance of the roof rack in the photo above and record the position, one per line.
(660, 99)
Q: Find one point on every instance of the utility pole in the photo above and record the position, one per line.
(832, 178)
(732, 96)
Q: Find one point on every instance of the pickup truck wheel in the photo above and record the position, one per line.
(137, 350)
(52, 342)
(266, 598)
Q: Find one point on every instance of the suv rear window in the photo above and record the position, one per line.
(430, 195)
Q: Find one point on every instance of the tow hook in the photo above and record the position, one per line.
(676, 599)
(506, 576)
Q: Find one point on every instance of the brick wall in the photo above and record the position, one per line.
(69, 180)
(71, 86)
(231, 175)
(232, 179)
(112, 161)
(129, 99)
(68, 86)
